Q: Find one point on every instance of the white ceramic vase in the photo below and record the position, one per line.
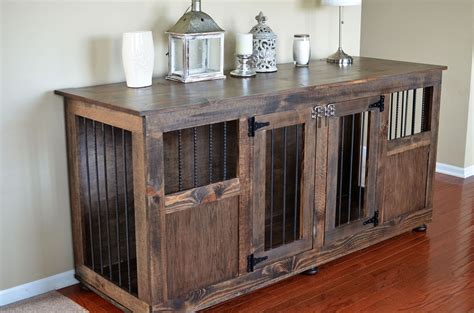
(138, 55)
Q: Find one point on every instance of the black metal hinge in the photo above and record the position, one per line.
(254, 126)
(252, 261)
(374, 220)
(379, 104)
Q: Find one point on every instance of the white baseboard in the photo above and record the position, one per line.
(454, 170)
(37, 287)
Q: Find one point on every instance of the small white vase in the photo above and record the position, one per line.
(138, 56)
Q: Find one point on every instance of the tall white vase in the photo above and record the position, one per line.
(138, 55)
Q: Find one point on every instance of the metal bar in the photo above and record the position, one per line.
(225, 150)
(284, 184)
(361, 162)
(413, 118)
(98, 198)
(341, 168)
(406, 114)
(391, 117)
(403, 113)
(195, 174)
(423, 107)
(117, 215)
(210, 153)
(107, 216)
(272, 187)
(349, 201)
(127, 226)
(180, 160)
(91, 234)
(295, 214)
(396, 116)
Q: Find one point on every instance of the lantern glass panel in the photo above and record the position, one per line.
(177, 56)
(204, 55)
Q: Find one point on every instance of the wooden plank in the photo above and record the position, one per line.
(142, 226)
(332, 170)
(401, 145)
(165, 96)
(156, 215)
(191, 198)
(275, 272)
(291, 99)
(406, 180)
(245, 209)
(382, 158)
(433, 125)
(111, 290)
(202, 246)
(74, 187)
(320, 190)
(258, 192)
(107, 116)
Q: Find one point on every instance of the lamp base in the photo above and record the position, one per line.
(340, 57)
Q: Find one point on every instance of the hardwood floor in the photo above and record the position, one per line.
(414, 272)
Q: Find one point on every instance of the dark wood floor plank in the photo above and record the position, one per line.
(432, 272)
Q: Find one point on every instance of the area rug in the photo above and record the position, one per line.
(50, 302)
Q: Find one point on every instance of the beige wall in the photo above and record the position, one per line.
(429, 31)
(47, 45)
(470, 130)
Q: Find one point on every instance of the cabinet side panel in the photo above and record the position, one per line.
(405, 182)
(202, 246)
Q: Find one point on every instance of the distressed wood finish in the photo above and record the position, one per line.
(188, 199)
(200, 184)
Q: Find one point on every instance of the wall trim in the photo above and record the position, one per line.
(37, 287)
(455, 170)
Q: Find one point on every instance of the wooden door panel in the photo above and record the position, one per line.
(282, 176)
(353, 143)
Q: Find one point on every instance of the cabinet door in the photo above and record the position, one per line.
(282, 181)
(352, 165)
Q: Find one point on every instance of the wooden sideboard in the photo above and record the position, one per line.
(184, 196)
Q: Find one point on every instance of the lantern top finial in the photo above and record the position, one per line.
(195, 22)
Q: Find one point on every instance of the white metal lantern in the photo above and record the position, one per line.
(196, 47)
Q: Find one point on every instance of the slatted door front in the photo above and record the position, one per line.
(282, 176)
(353, 143)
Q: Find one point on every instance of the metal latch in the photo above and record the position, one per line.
(252, 261)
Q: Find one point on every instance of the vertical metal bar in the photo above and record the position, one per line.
(403, 114)
(391, 117)
(272, 186)
(91, 234)
(117, 214)
(295, 214)
(107, 216)
(349, 202)
(225, 150)
(284, 184)
(361, 162)
(341, 168)
(396, 116)
(413, 117)
(406, 114)
(195, 174)
(423, 107)
(98, 197)
(127, 226)
(180, 160)
(210, 153)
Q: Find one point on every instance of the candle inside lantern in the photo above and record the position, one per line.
(244, 44)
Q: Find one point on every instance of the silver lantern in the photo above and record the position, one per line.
(264, 46)
(196, 47)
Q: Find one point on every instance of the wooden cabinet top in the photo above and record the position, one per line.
(318, 79)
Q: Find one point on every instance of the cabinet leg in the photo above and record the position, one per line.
(421, 229)
(311, 271)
